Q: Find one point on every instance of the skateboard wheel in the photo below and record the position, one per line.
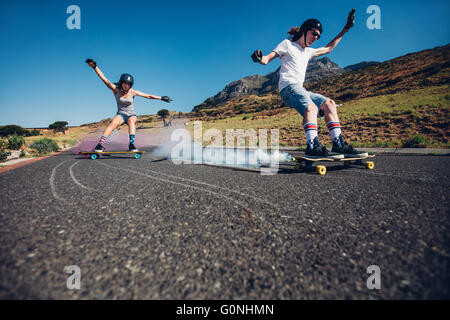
(94, 156)
(137, 155)
(370, 165)
(321, 170)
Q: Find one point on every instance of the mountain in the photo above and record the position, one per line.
(421, 69)
(411, 71)
(318, 69)
(360, 65)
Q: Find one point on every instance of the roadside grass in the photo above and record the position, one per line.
(382, 121)
(396, 104)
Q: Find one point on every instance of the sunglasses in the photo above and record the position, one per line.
(316, 34)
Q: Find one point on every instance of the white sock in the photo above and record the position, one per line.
(311, 133)
(335, 130)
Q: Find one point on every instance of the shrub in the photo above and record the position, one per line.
(44, 145)
(33, 133)
(347, 95)
(3, 144)
(12, 129)
(4, 155)
(68, 142)
(416, 141)
(15, 142)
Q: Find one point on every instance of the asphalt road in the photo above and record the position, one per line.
(145, 229)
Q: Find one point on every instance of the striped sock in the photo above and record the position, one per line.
(335, 131)
(132, 138)
(102, 140)
(311, 133)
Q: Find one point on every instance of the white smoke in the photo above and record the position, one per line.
(177, 145)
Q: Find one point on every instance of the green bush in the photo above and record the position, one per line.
(33, 133)
(15, 142)
(3, 144)
(347, 95)
(12, 129)
(416, 141)
(70, 142)
(44, 145)
(4, 155)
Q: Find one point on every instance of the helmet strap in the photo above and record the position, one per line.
(121, 89)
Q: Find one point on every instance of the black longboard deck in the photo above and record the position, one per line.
(312, 159)
(110, 152)
(321, 169)
(95, 154)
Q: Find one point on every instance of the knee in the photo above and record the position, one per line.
(329, 106)
(311, 109)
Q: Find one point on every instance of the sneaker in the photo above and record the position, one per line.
(319, 151)
(99, 148)
(132, 148)
(347, 150)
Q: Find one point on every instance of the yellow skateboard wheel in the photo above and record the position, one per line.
(321, 170)
(370, 165)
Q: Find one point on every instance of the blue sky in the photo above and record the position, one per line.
(188, 50)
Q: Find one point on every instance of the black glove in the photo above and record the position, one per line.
(91, 63)
(257, 56)
(166, 99)
(350, 19)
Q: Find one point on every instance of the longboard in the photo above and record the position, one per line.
(305, 163)
(96, 154)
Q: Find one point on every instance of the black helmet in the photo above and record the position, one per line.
(309, 25)
(126, 78)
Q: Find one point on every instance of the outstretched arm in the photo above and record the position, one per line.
(257, 56)
(97, 70)
(329, 47)
(150, 96)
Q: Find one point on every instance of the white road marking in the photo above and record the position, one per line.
(52, 183)
(212, 185)
(181, 184)
(75, 179)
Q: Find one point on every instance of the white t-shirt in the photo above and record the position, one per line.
(294, 60)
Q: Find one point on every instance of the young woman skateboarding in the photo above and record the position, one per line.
(294, 54)
(125, 106)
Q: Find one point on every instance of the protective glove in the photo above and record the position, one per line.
(350, 19)
(257, 56)
(91, 63)
(166, 99)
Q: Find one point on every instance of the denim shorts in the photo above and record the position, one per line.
(124, 116)
(297, 97)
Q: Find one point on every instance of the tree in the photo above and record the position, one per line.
(163, 113)
(59, 126)
(12, 129)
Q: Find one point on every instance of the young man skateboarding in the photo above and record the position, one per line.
(125, 106)
(294, 54)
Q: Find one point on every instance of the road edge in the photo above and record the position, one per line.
(9, 167)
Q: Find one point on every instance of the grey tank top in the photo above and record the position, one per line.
(125, 103)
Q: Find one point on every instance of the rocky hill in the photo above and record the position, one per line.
(412, 71)
(360, 65)
(317, 69)
(365, 79)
